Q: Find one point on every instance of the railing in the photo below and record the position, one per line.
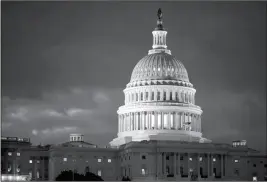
(160, 103)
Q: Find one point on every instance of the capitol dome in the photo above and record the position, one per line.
(159, 99)
(159, 66)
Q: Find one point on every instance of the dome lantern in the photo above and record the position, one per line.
(159, 37)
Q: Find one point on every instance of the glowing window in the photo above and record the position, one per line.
(214, 159)
(200, 159)
(30, 161)
(109, 160)
(254, 178)
(18, 154)
(158, 69)
(143, 172)
(99, 172)
(9, 153)
(65, 159)
(236, 160)
(99, 160)
(38, 162)
(190, 159)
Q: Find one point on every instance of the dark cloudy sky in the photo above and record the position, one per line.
(65, 64)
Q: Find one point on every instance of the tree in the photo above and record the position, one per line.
(74, 176)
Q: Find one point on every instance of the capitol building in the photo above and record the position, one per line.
(159, 135)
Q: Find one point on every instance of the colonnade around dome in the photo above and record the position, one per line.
(135, 121)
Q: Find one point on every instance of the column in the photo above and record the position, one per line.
(165, 165)
(122, 127)
(178, 165)
(163, 161)
(174, 164)
(146, 123)
(188, 167)
(198, 166)
(221, 165)
(150, 121)
(162, 120)
(208, 165)
(181, 121)
(119, 123)
(169, 120)
(156, 120)
(225, 164)
(138, 121)
(130, 122)
(43, 168)
(200, 124)
(212, 165)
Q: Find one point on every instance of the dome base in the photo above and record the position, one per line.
(186, 137)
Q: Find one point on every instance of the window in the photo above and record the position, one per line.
(18, 154)
(176, 96)
(65, 159)
(181, 158)
(261, 162)
(236, 160)
(190, 158)
(143, 157)
(99, 172)
(109, 160)
(141, 96)
(146, 95)
(200, 159)
(30, 161)
(136, 96)
(214, 159)
(254, 165)
(99, 160)
(38, 162)
(265, 165)
(132, 97)
(164, 95)
(9, 153)
(170, 95)
(167, 157)
(152, 96)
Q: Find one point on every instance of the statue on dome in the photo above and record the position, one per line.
(159, 14)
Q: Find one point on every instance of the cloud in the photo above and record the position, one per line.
(51, 113)
(20, 114)
(72, 112)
